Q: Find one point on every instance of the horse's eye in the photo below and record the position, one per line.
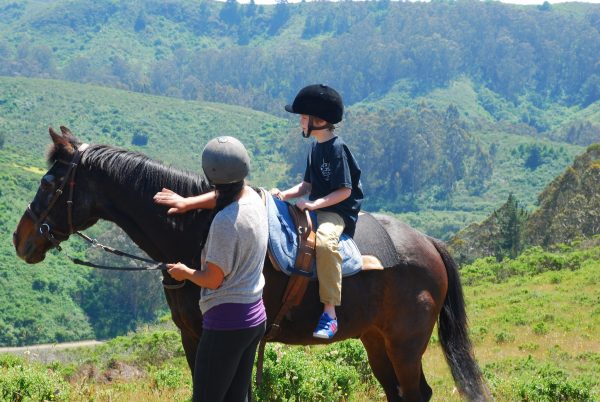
(47, 182)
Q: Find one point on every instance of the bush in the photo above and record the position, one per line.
(139, 139)
(29, 383)
(353, 354)
(169, 377)
(504, 337)
(552, 384)
(540, 329)
(149, 348)
(296, 374)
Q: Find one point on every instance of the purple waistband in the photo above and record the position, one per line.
(235, 316)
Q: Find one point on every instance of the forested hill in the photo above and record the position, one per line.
(451, 106)
(524, 59)
(568, 210)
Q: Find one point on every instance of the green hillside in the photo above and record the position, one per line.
(529, 58)
(104, 115)
(567, 211)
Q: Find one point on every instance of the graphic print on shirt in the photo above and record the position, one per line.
(326, 170)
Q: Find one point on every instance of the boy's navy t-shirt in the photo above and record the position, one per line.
(331, 166)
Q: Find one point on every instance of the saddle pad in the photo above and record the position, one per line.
(283, 240)
(372, 239)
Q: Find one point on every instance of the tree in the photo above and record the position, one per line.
(534, 159)
(590, 91)
(545, 7)
(79, 69)
(251, 9)
(139, 139)
(281, 15)
(230, 13)
(140, 22)
(511, 218)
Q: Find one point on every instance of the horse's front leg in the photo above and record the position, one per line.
(185, 312)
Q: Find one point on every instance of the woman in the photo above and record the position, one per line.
(231, 274)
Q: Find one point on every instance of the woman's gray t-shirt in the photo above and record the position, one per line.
(237, 243)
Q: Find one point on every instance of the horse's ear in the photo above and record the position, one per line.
(65, 131)
(60, 141)
(56, 137)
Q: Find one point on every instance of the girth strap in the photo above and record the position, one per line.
(297, 284)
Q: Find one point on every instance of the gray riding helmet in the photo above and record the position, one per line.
(225, 160)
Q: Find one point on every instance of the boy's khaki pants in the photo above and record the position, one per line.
(329, 259)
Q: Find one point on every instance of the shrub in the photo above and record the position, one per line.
(294, 374)
(540, 329)
(552, 384)
(504, 337)
(139, 139)
(169, 377)
(29, 383)
(351, 353)
(529, 347)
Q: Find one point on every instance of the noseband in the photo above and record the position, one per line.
(43, 226)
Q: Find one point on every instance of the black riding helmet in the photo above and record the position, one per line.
(318, 100)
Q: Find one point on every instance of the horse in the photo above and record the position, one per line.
(392, 311)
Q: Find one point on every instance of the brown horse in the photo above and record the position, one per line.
(392, 311)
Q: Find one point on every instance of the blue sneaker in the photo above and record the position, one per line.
(326, 328)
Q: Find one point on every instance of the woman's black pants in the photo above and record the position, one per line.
(224, 361)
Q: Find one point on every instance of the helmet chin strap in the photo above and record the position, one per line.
(312, 127)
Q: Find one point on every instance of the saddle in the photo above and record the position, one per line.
(305, 254)
(303, 263)
(302, 271)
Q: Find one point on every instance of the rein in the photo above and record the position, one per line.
(49, 233)
(94, 243)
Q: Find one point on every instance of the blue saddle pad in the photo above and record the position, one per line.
(283, 240)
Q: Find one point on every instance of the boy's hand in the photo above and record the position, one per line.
(179, 271)
(171, 199)
(303, 204)
(277, 193)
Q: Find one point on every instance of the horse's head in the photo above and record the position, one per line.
(60, 206)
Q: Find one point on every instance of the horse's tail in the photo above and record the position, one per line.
(454, 336)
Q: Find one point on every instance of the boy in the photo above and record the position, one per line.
(332, 180)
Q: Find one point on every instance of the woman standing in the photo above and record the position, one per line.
(231, 274)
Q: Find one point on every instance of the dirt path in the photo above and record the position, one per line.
(49, 347)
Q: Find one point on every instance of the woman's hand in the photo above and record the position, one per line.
(179, 271)
(171, 199)
(277, 193)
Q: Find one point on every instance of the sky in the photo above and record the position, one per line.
(535, 2)
(550, 1)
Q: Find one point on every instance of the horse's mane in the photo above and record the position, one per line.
(140, 173)
(133, 170)
(137, 177)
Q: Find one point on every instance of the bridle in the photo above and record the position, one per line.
(44, 228)
(41, 223)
